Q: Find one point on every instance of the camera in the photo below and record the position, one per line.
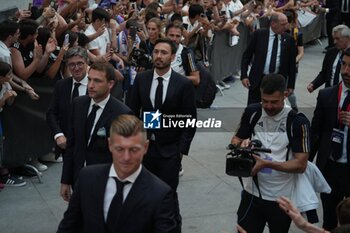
(139, 58)
(240, 160)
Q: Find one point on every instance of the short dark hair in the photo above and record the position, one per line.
(104, 67)
(169, 42)
(5, 68)
(343, 211)
(8, 28)
(173, 25)
(27, 27)
(176, 16)
(100, 14)
(130, 23)
(272, 83)
(83, 40)
(194, 10)
(127, 126)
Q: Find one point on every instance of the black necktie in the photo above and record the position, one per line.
(116, 205)
(337, 71)
(158, 100)
(90, 121)
(273, 60)
(75, 92)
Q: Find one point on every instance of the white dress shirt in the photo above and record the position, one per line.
(166, 78)
(269, 53)
(102, 106)
(83, 87)
(344, 157)
(334, 67)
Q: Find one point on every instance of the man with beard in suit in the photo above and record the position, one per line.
(161, 91)
(91, 118)
(330, 140)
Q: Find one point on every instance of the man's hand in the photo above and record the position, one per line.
(10, 94)
(259, 164)
(101, 30)
(240, 229)
(61, 142)
(344, 117)
(38, 51)
(290, 91)
(50, 46)
(65, 192)
(246, 83)
(310, 87)
(32, 94)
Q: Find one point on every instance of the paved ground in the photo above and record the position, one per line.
(208, 198)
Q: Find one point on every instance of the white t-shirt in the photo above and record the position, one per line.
(5, 53)
(100, 42)
(176, 65)
(272, 132)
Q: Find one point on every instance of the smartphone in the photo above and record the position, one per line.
(132, 31)
(30, 6)
(52, 3)
(66, 39)
(133, 5)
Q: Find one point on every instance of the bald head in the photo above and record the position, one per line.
(279, 22)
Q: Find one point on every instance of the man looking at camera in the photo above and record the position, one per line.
(274, 171)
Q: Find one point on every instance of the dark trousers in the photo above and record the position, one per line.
(167, 169)
(253, 214)
(254, 95)
(338, 176)
(345, 18)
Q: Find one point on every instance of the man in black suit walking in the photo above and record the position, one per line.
(91, 118)
(123, 197)
(330, 138)
(330, 73)
(57, 115)
(165, 91)
(272, 51)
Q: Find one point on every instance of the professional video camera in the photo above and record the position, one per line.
(240, 160)
(139, 58)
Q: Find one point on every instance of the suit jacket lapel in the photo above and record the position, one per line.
(101, 183)
(265, 43)
(147, 88)
(107, 111)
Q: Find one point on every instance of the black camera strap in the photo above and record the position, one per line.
(255, 179)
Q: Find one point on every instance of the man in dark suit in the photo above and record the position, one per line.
(123, 197)
(165, 91)
(330, 73)
(330, 138)
(57, 115)
(91, 118)
(272, 51)
(344, 10)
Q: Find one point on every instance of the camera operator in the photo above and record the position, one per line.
(274, 171)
